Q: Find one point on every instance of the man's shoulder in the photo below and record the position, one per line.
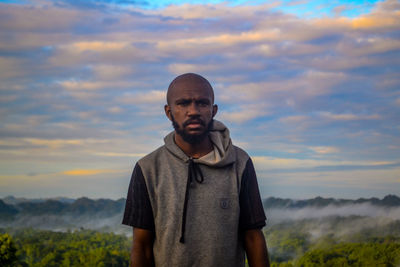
(152, 156)
(241, 154)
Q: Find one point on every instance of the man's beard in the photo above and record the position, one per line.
(191, 138)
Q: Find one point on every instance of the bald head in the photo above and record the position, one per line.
(188, 80)
(191, 109)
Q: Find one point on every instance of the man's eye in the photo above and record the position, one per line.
(203, 104)
(183, 103)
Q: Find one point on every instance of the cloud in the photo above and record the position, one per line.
(8, 98)
(351, 183)
(324, 150)
(112, 185)
(11, 68)
(244, 114)
(82, 85)
(86, 172)
(153, 96)
(87, 89)
(376, 22)
(111, 72)
(217, 42)
(179, 68)
(294, 119)
(59, 143)
(97, 46)
(86, 82)
(98, 53)
(349, 117)
(269, 163)
(113, 154)
(292, 91)
(102, 4)
(206, 11)
(115, 110)
(36, 17)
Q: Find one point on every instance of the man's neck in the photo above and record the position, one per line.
(194, 150)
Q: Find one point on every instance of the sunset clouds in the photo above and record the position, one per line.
(299, 84)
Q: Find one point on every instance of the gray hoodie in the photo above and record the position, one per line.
(198, 200)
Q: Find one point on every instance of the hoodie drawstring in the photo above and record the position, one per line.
(193, 172)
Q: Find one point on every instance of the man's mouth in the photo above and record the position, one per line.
(194, 123)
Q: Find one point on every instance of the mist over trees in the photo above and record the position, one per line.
(79, 248)
(334, 241)
(333, 232)
(313, 232)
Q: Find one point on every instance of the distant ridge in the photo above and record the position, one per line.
(106, 214)
(80, 206)
(13, 200)
(320, 202)
(11, 206)
(7, 210)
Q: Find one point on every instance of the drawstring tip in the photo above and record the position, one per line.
(182, 240)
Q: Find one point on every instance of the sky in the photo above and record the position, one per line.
(310, 89)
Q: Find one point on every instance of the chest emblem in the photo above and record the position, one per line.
(224, 203)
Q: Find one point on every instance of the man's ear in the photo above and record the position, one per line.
(167, 110)
(215, 110)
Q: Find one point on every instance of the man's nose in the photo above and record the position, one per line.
(193, 109)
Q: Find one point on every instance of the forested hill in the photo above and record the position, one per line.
(81, 206)
(63, 214)
(314, 232)
(11, 206)
(388, 201)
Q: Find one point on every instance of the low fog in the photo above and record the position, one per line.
(365, 210)
(345, 223)
(65, 223)
(338, 220)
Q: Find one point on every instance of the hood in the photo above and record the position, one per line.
(219, 135)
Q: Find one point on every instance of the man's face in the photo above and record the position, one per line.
(191, 110)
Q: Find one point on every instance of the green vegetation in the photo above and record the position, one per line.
(8, 251)
(329, 242)
(81, 248)
(290, 244)
(286, 245)
(353, 254)
(349, 240)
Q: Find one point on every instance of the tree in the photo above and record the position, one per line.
(353, 254)
(8, 251)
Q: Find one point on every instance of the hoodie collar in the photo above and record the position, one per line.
(219, 135)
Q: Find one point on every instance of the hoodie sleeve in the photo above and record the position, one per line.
(138, 212)
(252, 214)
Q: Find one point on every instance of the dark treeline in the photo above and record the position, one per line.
(84, 205)
(10, 206)
(289, 246)
(38, 248)
(319, 202)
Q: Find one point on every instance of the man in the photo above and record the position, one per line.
(195, 200)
